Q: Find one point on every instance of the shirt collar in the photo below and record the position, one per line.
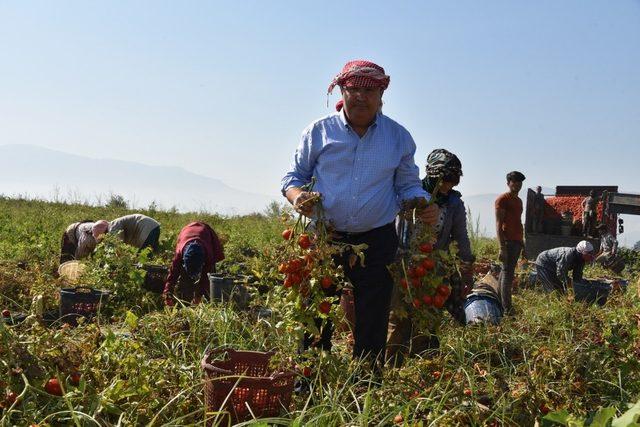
(343, 119)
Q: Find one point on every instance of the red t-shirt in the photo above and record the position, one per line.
(512, 225)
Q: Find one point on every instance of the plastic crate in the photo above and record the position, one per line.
(81, 301)
(591, 291)
(239, 386)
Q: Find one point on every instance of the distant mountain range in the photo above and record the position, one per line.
(49, 174)
(40, 172)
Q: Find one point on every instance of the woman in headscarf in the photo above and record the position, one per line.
(444, 170)
(197, 251)
(77, 241)
(137, 230)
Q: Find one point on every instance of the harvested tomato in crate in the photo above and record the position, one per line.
(81, 301)
(240, 385)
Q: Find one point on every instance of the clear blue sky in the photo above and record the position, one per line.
(225, 88)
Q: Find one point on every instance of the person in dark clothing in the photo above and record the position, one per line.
(197, 251)
(510, 235)
(589, 214)
(553, 265)
(445, 168)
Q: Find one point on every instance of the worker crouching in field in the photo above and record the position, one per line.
(77, 241)
(136, 230)
(444, 170)
(553, 265)
(608, 256)
(197, 251)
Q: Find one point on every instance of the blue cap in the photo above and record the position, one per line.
(193, 259)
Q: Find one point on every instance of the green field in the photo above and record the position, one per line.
(140, 363)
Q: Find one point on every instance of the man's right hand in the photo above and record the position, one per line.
(303, 201)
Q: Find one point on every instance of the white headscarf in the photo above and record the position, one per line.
(585, 248)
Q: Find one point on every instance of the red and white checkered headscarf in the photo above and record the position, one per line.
(361, 73)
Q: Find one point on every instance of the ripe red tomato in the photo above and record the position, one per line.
(436, 374)
(306, 371)
(326, 282)
(74, 379)
(438, 301)
(288, 282)
(411, 272)
(417, 303)
(427, 299)
(6, 313)
(295, 265)
(467, 392)
(324, 307)
(428, 264)
(286, 234)
(420, 271)
(426, 248)
(296, 278)
(444, 290)
(415, 282)
(53, 387)
(404, 283)
(544, 409)
(12, 397)
(304, 241)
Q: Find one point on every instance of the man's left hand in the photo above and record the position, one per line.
(429, 215)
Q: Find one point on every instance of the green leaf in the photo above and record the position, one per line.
(629, 418)
(559, 417)
(603, 417)
(131, 320)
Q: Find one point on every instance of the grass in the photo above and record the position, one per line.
(140, 364)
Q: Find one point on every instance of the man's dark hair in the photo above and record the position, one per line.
(515, 176)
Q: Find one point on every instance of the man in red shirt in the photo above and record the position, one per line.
(197, 252)
(510, 235)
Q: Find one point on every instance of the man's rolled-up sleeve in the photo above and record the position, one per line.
(407, 182)
(301, 169)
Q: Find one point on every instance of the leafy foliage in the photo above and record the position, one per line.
(140, 363)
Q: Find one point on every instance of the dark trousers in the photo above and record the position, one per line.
(372, 286)
(513, 249)
(153, 240)
(549, 279)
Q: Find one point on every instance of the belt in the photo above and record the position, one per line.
(362, 233)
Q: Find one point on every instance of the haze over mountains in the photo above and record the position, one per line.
(38, 172)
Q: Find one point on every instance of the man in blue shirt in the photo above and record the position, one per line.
(363, 164)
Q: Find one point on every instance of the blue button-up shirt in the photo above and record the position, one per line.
(362, 180)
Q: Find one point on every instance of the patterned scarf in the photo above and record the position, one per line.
(360, 73)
